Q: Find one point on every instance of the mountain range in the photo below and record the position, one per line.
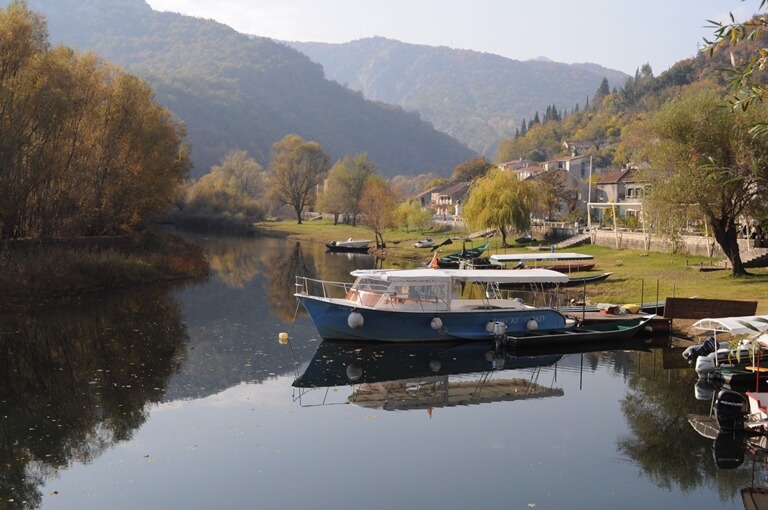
(416, 110)
(475, 97)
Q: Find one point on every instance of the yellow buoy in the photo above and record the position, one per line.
(282, 338)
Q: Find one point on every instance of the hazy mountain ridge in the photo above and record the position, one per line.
(238, 92)
(476, 97)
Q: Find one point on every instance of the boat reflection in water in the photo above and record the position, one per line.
(402, 376)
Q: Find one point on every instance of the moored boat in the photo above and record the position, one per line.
(350, 245)
(426, 305)
(536, 258)
(454, 260)
(424, 243)
(598, 332)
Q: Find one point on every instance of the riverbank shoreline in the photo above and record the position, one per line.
(55, 270)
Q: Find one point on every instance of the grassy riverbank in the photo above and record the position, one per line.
(637, 275)
(49, 270)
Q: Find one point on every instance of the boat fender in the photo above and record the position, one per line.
(435, 365)
(704, 365)
(532, 325)
(355, 320)
(436, 323)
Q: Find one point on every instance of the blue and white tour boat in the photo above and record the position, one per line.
(428, 305)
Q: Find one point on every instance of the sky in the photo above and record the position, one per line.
(618, 34)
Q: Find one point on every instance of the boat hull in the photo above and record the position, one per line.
(331, 318)
(341, 248)
(604, 331)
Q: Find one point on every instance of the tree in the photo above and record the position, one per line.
(472, 168)
(344, 186)
(85, 149)
(296, 170)
(746, 77)
(704, 154)
(232, 188)
(499, 200)
(553, 190)
(412, 215)
(377, 207)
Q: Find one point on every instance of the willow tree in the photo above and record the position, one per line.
(500, 200)
(296, 170)
(703, 154)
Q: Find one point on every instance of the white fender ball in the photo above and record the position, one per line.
(355, 320)
(436, 323)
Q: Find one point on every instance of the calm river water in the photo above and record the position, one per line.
(183, 398)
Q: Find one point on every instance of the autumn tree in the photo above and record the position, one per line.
(704, 155)
(233, 188)
(344, 186)
(377, 207)
(501, 201)
(296, 170)
(472, 168)
(86, 150)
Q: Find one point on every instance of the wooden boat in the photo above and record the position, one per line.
(350, 245)
(603, 331)
(578, 281)
(453, 260)
(426, 305)
(569, 267)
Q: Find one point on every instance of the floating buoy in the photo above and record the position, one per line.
(282, 338)
(532, 325)
(436, 323)
(355, 320)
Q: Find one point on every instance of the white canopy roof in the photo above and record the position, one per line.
(538, 257)
(734, 325)
(475, 275)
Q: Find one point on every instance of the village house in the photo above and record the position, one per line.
(445, 200)
(622, 188)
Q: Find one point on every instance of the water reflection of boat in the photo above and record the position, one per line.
(423, 376)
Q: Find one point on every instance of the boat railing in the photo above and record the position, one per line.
(538, 298)
(321, 288)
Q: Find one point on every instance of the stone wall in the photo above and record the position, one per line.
(690, 245)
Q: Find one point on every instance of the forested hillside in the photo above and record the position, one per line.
(613, 120)
(475, 97)
(233, 91)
